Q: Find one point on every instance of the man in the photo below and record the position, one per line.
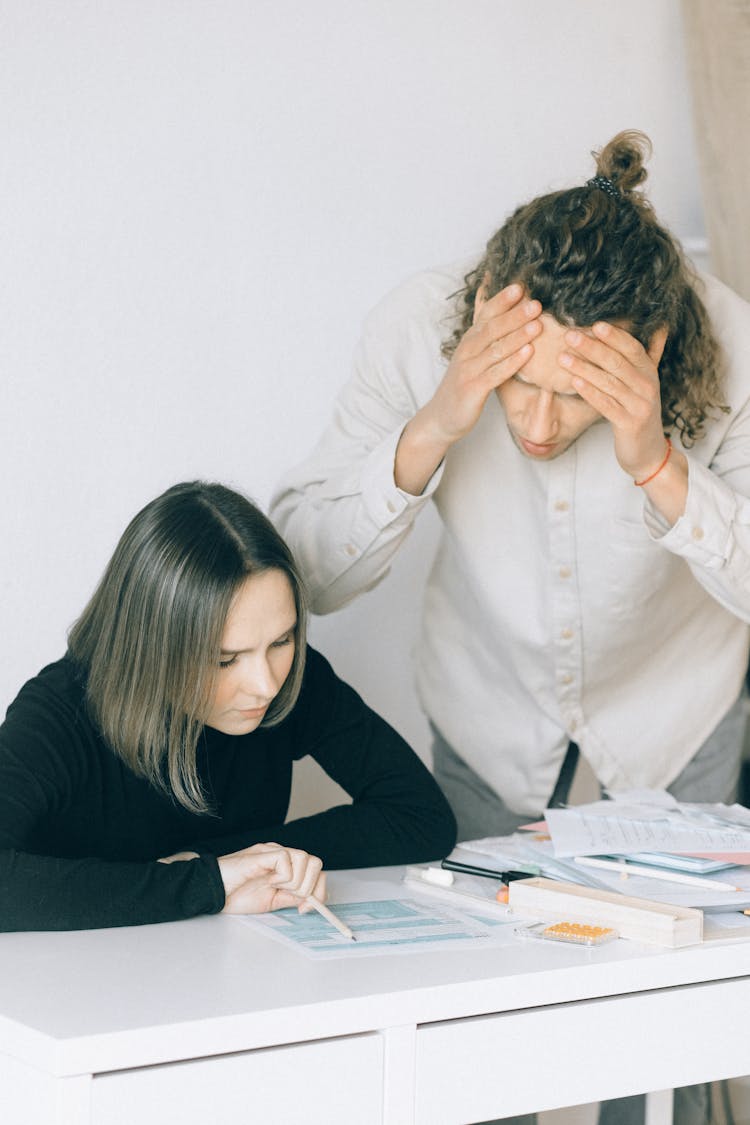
(588, 449)
(565, 604)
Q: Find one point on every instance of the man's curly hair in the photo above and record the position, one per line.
(598, 253)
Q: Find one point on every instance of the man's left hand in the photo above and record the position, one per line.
(616, 375)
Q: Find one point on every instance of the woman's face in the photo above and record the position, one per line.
(257, 650)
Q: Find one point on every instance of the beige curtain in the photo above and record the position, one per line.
(717, 36)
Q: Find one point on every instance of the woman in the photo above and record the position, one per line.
(144, 774)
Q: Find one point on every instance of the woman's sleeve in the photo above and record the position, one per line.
(398, 813)
(40, 758)
(46, 893)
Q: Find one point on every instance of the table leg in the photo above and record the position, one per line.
(659, 1107)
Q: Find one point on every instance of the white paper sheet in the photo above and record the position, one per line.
(625, 826)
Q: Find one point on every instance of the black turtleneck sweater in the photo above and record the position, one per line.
(80, 833)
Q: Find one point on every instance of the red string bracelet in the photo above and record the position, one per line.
(640, 483)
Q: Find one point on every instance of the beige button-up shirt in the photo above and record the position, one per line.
(560, 604)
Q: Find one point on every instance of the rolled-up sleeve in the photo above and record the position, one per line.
(340, 510)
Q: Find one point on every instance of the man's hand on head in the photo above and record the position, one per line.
(613, 372)
(492, 351)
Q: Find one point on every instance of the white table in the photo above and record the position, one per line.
(187, 1022)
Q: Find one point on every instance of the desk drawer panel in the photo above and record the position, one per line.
(336, 1081)
(567, 1054)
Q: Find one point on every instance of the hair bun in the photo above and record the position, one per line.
(622, 160)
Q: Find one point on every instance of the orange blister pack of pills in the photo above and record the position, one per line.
(575, 933)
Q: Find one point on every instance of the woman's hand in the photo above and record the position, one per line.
(270, 877)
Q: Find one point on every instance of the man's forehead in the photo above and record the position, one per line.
(543, 368)
(559, 386)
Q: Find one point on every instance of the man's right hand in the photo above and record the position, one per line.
(497, 345)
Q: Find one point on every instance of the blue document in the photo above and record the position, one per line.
(390, 925)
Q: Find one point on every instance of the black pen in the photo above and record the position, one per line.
(503, 876)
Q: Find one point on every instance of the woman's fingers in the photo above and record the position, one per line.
(268, 877)
(319, 892)
(305, 871)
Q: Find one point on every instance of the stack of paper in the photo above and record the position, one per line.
(650, 821)
(642, 843)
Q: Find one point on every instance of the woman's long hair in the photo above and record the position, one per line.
(149, 640)
(597, 252)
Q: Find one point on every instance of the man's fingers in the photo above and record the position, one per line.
(496, 318)
(657, 345)
(620, 370)
(605, 379)
(609, 407)
(622, 341)
(597, 352)
(487, 307)
(502, 356)
(492, 328)
(619, 339)
(498, 373)
(501, 349)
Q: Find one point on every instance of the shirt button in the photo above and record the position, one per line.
(698, 533)
(566, 634)
(561, 505)
(391, 506)
(572, 726)
(565, 572)
(350, 549)
(566, 678)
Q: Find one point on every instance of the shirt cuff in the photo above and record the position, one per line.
(384, 501)
(703, 533)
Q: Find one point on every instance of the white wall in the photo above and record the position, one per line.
(199, 201)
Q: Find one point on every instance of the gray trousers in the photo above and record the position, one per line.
(712, 775)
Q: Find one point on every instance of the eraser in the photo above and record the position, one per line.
(438, 876)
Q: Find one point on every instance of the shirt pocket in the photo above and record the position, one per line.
(640, 573)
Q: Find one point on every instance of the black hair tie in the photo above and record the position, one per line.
(605, 185)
